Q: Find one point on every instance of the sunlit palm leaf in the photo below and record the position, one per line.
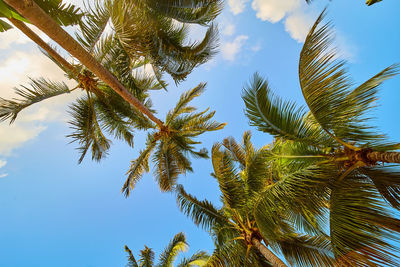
(198, 259)
(41, 89)
(178, 244)
(146, 257)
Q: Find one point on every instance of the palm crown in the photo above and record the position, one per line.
(252, 221)
(177, 245)
(336, 149)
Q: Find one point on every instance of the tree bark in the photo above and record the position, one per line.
(268, 254)
(31, 11)
(389, 157)
(35, 38)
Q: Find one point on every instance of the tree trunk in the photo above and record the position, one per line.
(389, 157)
(30, 10)
(35, 38)
(268, 254)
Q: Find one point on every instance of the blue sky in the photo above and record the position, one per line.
(55, 212)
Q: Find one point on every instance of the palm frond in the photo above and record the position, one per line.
(178, 244)
(4, 26)
(139, 166)
(181, 107)
(277, 117)
(361, 228)
(200, 259)
(87, 131)
(237, 152)
(131, 259)
(387, 181)
(202, 213)
(232, 187)
(41, 89)
(146, 257)
(63, 13)
(167, 168)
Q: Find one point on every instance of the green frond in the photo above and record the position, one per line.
(139, 166)
(202, 213)
(4, 26)
(237, 152)
(361, 228)
(232, 187)
(181, 106)
(200, 124)
(178, 244)
(113, 123)
(93, 25)
(131, 259)
(387, 181)
(305, 250)
(200, 15)
(146, 257)
(63, 13)
(275, 116)
(87, 131)
(199, 259)
(167, 169)
(41, 89)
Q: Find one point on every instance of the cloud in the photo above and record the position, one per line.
(298, 25)
(2, 164)
(257, 47)
(237, 6)
(229, 29)
(15, 70)
(272, 10)
(229, 50)
(14, 36)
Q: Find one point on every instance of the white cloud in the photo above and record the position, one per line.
(3, 175)
(257, 47)
(2, 163)
(15, 36)
(273, 10)
(14, 71)
(229, 50)
(298, 25)
(237, 6)
(229, 29)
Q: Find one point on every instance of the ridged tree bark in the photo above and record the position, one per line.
(389, 157)
(268, 254)
(30, 10)
(42, 44)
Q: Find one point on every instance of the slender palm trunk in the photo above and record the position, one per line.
(30, 10)
(35, 38)
(268, 254)
(389, 157)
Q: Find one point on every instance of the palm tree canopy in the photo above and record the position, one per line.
(330, 144)
(177, 245)
(253, 189)
(64, 14)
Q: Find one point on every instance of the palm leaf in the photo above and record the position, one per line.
(4, 26)
(202, 213)
(277, 117)
(360, 225)
(200, 259)
(178, 244)
(131, 259)
(41, 89)
(146, 257)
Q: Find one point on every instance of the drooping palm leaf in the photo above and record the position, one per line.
(41, 89)
(178, 244)
(131, 259)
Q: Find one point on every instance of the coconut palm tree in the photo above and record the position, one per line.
(245, 231)
(334, 141)
(175, 247)
(103, 109)
(172, 145)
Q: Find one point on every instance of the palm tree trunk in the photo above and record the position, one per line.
(268, 254)
(30, 10)
(34, 37)
(389, 157)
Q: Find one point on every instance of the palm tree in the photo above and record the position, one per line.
(172, 145)
(103, 109)
(245, 231)
(177, 245)
(339, 149)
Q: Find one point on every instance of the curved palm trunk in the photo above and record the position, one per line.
(30, 10)
(389, 157)
(35, 38)
(268, 254)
